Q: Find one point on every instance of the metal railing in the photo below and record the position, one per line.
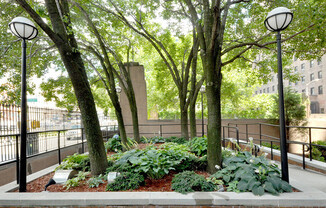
(307, 147)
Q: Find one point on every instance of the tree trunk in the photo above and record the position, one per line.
(184, 118)
(192, 118)
(135, 124)
(75, 67)
(213, 90)
(122, 129)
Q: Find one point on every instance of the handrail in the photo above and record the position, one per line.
(309, 144)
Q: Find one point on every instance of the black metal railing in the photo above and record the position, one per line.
(307, 147)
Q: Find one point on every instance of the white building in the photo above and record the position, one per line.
(312, 83)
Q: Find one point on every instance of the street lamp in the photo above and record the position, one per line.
(277, 20)
(202, 91)
(24, 29)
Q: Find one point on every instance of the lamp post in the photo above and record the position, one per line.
(24, 29)
(202, 91)
(277, 20)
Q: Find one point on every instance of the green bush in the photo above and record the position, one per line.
(74, 182)
(319, 153)
(114, 144)
(189, 181)
(177, 140)
(198, 145)
(126, 181)
(152, 140)
(95, 181)
(244, 172)
(268, 144)
(76, 161)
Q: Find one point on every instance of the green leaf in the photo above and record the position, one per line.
(258, 190)
(227, 178)
(286, 186)
(268, 186)
(242, 185)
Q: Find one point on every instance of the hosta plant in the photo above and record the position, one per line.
(244, 172)
(126, 181)
(198, 145)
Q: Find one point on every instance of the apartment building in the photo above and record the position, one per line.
(312, 83)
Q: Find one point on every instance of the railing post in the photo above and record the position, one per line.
(310, 145)
(161, 133)
(303, 158)
(237, 135)
(59, 149)
(17, 160)
(247, 135)
(82, 138)
(272, 150)
(260, 134)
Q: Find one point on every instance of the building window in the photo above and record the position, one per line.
(256, 92)
(312, 91)
(296, 83)
(322, 110)
(260, 91)
(302, 67)
(312, 76)
(267, 89)
(320, 90)
(320, 75)
(264, 90)
(319, 61)
(273, 88)
(311, 64)
(303, 79)
(303, 91)
(296, 68)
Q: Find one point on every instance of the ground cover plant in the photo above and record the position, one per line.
(241, 171)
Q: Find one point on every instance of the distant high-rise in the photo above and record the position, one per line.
(312, 83)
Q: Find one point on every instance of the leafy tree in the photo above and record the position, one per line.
(228, 30)
(294, 108)
(60, 31)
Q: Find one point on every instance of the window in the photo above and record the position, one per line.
(273, 88)
(311, 64)
(256, 92)
(267, 89)
(260, 91)
(272, 78)
(319, 61)
(264, 90)
(320, 89)
(312, 76)
(296, 83)
(303, 91)
(320, 75)
(296, 68)
(302, 67)
(322, 110)
(312, 91)
(303, 78)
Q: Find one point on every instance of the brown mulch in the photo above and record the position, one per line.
(159, 185)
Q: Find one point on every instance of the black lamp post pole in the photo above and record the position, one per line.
(202, 115)
(284, 156)
(23, 131)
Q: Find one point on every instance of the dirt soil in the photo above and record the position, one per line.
(160, 185)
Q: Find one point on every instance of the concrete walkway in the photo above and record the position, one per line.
(311, 184)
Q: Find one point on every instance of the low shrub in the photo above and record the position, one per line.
(126, 181)
(95, 181)
(189, 181)
(268, 144)
(80, 162)
(318, 152)
(152, 140)
(114, 144)
(74, 182)
(177, 140)
(198, 145)
(244, 172)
